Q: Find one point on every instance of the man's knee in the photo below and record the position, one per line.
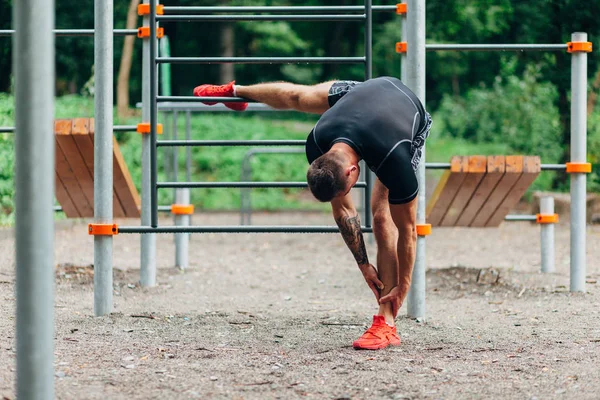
(383, 225)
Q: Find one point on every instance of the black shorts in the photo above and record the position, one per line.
(397, 171)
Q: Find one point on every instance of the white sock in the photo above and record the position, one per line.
(234, 91)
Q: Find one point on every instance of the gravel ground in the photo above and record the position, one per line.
(266, 316)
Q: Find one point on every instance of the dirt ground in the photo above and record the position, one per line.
(273, 316)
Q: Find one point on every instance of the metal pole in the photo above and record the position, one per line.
(182, 196)
(175, 155)
(403, 38)
(182, 239)
(250, 17)
(148, 242)
(33, 66)
(153, 116)
(369, 176)
(261, 60)
(103, 154)
(547, 235)
(188, 153)
(578, 155)
(415, 76)
(272, 9)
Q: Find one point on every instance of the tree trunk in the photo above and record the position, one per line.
(593, 93)
(226, 73)
(126, 59)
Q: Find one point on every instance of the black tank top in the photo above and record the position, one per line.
(379, 119)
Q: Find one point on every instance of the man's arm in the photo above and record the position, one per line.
(289, 96)
(348, 221)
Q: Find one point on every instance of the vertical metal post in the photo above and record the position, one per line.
(182, 196)
(148, 241)
(103, 153)
(403, 35)
(547, 235)
(182, 239)
(188, 149)
(368, 75)
(578, 155)
(415, 77)
(175, 155)
(153, 116)
(33, 66)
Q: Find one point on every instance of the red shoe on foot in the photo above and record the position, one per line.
(219, 91)
(378, 336)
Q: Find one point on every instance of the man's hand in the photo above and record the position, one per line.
(395, 296)
(370, 274)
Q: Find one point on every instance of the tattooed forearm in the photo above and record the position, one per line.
(350, 230)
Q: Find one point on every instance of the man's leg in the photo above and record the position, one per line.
(289, 96)
(386, 236)
(404, 217)
(279, 95)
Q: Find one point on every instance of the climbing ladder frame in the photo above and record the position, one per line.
(413, 49)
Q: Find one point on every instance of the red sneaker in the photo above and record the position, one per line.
(219, 91)
(378, 336)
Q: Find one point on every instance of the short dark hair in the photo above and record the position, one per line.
(325, 177)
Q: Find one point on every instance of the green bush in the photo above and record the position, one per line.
(518, 113)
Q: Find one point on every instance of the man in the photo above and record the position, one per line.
(383, 123)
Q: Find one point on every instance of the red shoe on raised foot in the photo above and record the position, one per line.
(219, 91)
(379, 336)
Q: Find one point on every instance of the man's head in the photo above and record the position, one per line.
(331, 175)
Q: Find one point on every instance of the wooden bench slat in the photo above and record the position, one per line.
(82, 131)
(446, 190)
(123, 183)
(531, 170)
(494, 172)
(61, 194)
(512, 172)
(88, 131)
(475, 172)
(84, 178)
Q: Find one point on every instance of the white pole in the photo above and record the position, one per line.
(578, 155)
(547, 235)
(33, 66)
(148, 240)
(103, 153)
(415, 80)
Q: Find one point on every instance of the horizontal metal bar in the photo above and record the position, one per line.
(555, 167)
(192, 143)
(260, 60)
(77, 32)
(544, 167)
(160, 208)
(124, 128)
(520, 218)
(116, 128)
(201, 99)
(199, 107)
(496, 47)
(437, 165)
(240, 185)
(235, 229)
(244, 9)
(250, 17)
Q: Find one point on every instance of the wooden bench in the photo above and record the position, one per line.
(74, 178)
(479, 191)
